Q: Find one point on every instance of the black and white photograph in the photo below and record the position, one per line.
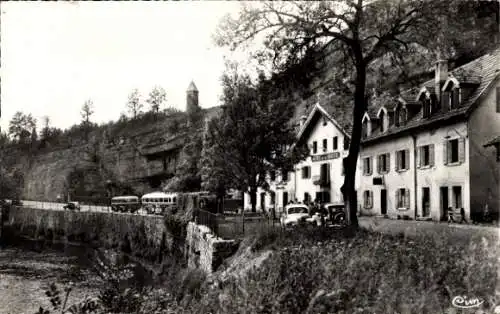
(250, 157)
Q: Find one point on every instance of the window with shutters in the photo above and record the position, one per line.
(325, 145)
(383, 163)
(367, 166)
(402, 160)
(425, 156)
(306, 172)
(454, 151)
(367, 199)
(335, 142)
(315, 147)
(403, 198)
(325, 173)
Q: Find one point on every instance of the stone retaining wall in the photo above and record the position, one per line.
(144, 236)
(205, 250)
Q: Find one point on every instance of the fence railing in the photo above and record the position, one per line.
(207, 219)
(235, 226)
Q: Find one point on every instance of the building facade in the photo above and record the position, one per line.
(423, 153)
(318, 177)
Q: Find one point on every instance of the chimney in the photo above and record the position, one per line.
(440, 76)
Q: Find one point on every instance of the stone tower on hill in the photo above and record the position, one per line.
(192, 98)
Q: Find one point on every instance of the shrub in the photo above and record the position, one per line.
(367, 273)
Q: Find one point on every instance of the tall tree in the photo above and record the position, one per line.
(354, 33)
(156, 98)
(134, 105)
(252, 136)
(21, 127)
(215, 173)
(87, 111)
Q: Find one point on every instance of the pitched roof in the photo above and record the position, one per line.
(338, 108)
(487, 68)
(319, 109)
(192, 87)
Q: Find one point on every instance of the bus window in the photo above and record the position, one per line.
(174, 200)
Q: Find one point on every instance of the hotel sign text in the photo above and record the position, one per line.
(333, 155)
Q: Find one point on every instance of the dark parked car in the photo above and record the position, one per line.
(72, 206)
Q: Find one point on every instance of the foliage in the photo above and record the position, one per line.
(87, 111)
(134, 105)
(85, 306)
(156, 98)
(252, 136)
(122, 292)
(352, 35)
(21, 127)
(215, 175)
(398, 275)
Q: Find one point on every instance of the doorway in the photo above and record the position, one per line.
(444, 201)
(383, 202)
(426, 202)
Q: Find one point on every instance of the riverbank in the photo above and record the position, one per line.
(25, 273)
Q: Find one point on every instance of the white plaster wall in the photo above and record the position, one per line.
(393, 180)
(318, 133)
(440, 174)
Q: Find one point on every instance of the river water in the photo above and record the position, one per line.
(27, 270)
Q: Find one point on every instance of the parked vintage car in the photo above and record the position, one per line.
(72, 206)
(336, 213)
(294, 215)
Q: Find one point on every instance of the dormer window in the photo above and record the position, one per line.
(403, 116)
(452, 89)
(384, 119)
(400, 116)
(364, 133)
(366, 127)
(427, 107)
(454, 98)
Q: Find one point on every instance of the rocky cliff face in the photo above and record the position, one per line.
(111, 155)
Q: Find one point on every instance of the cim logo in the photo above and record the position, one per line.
(464, 302)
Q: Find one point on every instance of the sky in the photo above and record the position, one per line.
(56, 55)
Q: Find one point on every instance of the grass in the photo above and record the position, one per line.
(315, 272)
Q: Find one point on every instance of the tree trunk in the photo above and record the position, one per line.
(253, 198)
(350, 162)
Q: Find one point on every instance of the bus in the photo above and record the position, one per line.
(124, 204)
(159, 202)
